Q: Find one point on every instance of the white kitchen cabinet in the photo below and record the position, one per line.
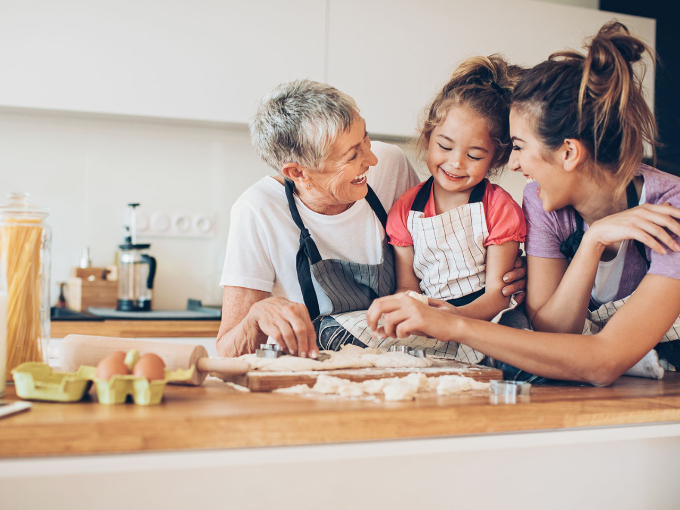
(393, 55)
(188, 59)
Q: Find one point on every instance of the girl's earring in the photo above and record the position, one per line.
(309, 186)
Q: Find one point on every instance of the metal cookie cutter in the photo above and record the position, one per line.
(269, 351)
(405, 349)
(509, 392)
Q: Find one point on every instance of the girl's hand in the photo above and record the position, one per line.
(646, 223)
(403, 316)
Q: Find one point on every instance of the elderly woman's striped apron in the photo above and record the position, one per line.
(350, 286)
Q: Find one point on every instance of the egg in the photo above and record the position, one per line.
(110, 366)
(118, 355)
(150, 366)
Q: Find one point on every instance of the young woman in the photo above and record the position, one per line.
(602, 229)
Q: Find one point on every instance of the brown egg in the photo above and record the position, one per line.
(150, 366)
(110, 366)
(118, 355)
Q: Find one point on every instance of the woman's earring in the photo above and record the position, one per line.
(309, 186)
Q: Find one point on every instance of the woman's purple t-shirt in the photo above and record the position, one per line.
(547, 231)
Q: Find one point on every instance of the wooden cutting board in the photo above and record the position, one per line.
(268, 381)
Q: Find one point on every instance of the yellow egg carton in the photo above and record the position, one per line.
(37, 381)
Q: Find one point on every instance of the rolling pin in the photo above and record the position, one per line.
(77, 350)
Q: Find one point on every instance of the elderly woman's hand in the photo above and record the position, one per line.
(516, 280)
(286, 322)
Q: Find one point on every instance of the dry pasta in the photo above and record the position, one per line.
(20, 248)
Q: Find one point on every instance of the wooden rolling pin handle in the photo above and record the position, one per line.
(222, 366)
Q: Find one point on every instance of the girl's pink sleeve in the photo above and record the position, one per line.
(504, 217)
(396, 220)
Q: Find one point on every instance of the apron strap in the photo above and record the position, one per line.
(631, 196)
(424, 194)
(307, 253)
(377, 206)
(478, 193)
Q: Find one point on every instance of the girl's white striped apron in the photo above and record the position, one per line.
(450, 261)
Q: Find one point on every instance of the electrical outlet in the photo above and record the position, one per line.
(175, 224)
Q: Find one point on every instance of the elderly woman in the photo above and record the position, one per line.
(310, 242)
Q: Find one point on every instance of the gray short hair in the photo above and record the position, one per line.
(298, 121)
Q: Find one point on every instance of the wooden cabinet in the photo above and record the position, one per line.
(393, 55)
(212, 60)
(201, 59)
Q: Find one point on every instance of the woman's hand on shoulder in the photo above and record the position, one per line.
(403, 316)
(286, 322)
(516, 279)
(648, 223)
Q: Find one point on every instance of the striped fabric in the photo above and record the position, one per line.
(449, 253)
(597, 319)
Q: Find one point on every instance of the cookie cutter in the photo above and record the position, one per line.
(269, 351)
(509, 392)
(405, 349)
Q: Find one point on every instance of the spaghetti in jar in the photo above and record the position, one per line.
(25, 244)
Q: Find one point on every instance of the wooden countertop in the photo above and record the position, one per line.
(215, 416)
(136, 328)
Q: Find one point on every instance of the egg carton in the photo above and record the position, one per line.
(38, 381)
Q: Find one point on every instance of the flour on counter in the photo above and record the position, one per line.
(392, 388)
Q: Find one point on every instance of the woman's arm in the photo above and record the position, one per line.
(403, 263)
(562, 308)
(249, 316)
(598, 359)
(499, 260)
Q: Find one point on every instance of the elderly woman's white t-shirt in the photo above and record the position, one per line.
(263, 239)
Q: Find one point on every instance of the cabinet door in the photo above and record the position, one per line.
(189, 59)
(393, 55)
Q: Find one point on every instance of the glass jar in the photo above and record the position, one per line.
(25, 244)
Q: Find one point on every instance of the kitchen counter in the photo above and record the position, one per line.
(217, 416)
(137, 328)
(212, 446)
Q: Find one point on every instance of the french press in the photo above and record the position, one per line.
(136, 270)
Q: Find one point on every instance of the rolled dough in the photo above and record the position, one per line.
(351, 356)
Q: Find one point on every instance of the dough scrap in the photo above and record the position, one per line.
(420, 297)
(298, 389)
(452, 384)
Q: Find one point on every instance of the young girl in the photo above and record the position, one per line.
(455, 235)
(602, 243)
